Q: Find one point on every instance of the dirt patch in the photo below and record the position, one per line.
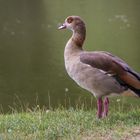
(133, 134)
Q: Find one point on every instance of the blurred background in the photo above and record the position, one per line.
(31, 48)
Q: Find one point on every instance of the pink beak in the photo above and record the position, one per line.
(63, 26)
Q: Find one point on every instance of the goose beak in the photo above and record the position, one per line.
(63, 26)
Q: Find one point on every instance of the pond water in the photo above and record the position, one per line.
(31, 48)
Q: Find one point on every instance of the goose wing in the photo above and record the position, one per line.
(114, 66)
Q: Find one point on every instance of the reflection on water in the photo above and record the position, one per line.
(31, 47)
(123, 19)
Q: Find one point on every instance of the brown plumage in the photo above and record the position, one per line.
(112, 65)
(99, 72)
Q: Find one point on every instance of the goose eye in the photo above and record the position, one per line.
(70, 20)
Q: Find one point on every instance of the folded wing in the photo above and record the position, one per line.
(114, 66)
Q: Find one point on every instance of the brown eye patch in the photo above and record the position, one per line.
(70, 20)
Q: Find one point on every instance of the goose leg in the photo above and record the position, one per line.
(99, 105)
(106, 107)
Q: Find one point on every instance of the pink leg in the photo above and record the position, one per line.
(99, 105)
(106, 105)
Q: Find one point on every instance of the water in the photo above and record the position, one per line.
(31, 47)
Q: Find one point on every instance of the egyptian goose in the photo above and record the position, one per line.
(101, 73)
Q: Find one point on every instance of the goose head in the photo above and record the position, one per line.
(73, 23)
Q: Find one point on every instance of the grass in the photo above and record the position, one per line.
(70, 124)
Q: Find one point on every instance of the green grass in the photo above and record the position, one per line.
(70, 124)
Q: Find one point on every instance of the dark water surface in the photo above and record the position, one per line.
(31, 47)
